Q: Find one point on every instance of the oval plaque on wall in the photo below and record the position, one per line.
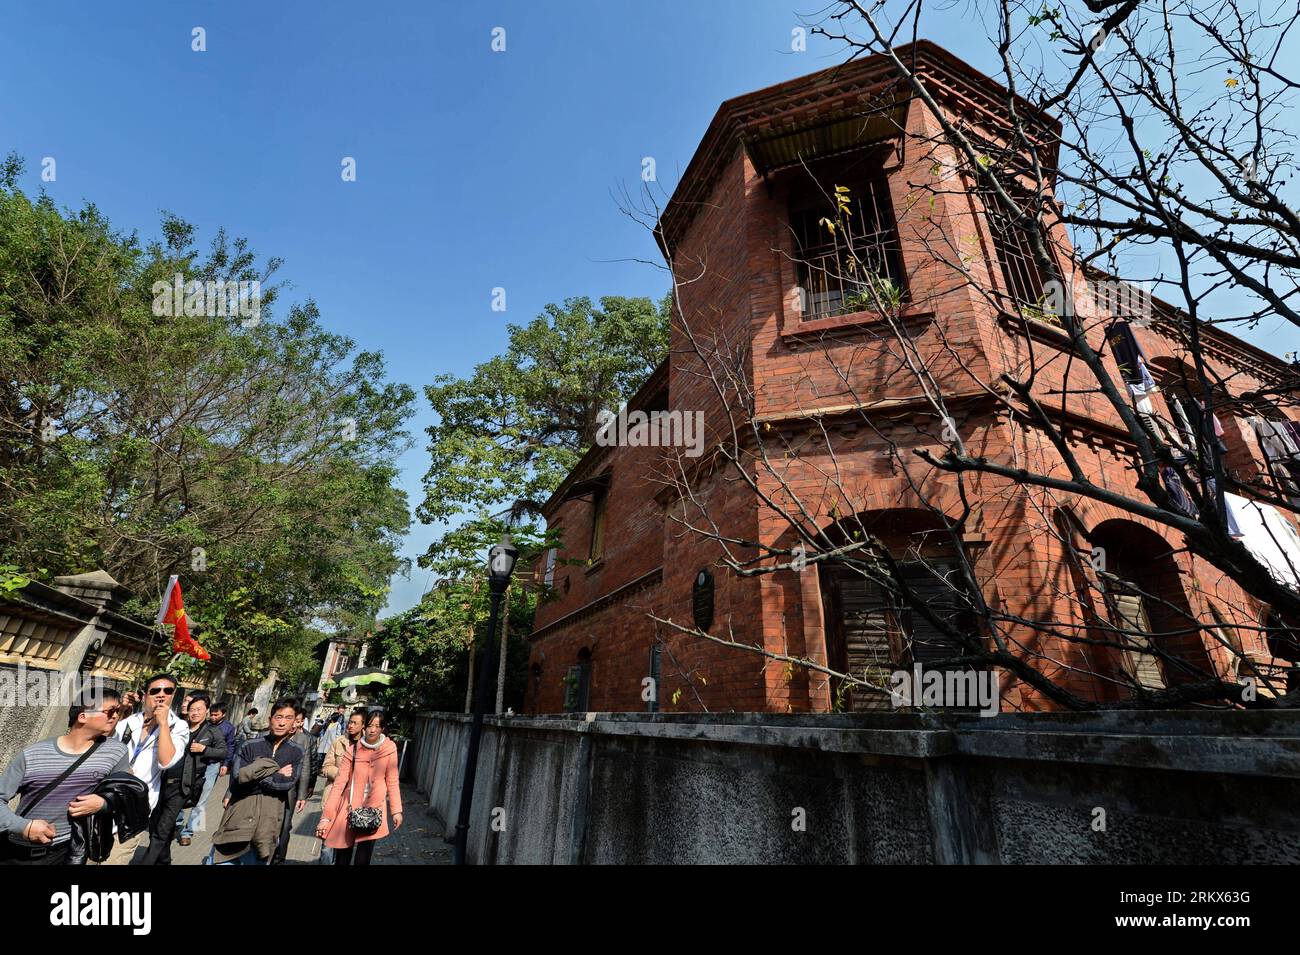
(702, 600)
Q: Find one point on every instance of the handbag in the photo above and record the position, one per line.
(367, 819)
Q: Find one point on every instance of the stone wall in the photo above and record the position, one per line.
(1178, 788)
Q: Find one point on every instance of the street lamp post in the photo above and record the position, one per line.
(501, 563)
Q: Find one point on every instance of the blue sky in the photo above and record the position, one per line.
(475, 169)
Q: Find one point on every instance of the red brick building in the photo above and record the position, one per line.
(833, 384)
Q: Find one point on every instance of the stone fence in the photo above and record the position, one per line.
(1116, 787)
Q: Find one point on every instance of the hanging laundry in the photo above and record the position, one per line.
(1276, 438)
(1282, 454)
(1128, 356)
(1177, 493)
(1214, 421)
(1229, 519)
(1218, 434)
(1269, 536)
(1168, 436)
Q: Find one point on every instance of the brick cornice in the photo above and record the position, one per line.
(856, 88)
(880, 406)
(586, 610)
(1172, 322)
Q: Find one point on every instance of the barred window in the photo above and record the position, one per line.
(846, 248)
(1022, 281)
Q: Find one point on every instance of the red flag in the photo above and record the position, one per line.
(173, 612)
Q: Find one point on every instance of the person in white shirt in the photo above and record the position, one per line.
(156, 740)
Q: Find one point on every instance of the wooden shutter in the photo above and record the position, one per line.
(937, 584)
(599, 502)
(576, 682)
(933, 583)
(1139, 662)
(869, 654)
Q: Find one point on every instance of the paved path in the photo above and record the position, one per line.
(418, 842)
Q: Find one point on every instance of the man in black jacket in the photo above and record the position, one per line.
(183, 782)
(303, 740)
(264, 779)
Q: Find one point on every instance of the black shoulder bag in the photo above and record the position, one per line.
(367, 819)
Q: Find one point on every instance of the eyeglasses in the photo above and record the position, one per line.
(109, 711)
(165, 690)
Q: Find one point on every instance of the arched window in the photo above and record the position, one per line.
(1148, 607)
(1091, 610)
(536, 672)
(874, 624)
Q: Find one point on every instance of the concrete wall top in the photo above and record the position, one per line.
(1254, 743)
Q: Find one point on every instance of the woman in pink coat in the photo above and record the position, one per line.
(367, 777)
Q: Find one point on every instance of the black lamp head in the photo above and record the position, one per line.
(501, 559)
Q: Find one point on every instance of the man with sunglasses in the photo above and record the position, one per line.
(156, 740)
(55, 782)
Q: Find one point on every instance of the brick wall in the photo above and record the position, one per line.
(830, 400)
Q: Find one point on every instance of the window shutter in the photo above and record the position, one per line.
(933, 584)
(572, 680)
(867, 627)
(599, 503)
(652, 705)
(1139, 662)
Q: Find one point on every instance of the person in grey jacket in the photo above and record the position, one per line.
(247, 727)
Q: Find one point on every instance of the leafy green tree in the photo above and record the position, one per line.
(507, 435)
(249, 454)
(428, 647)
(515, 428)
